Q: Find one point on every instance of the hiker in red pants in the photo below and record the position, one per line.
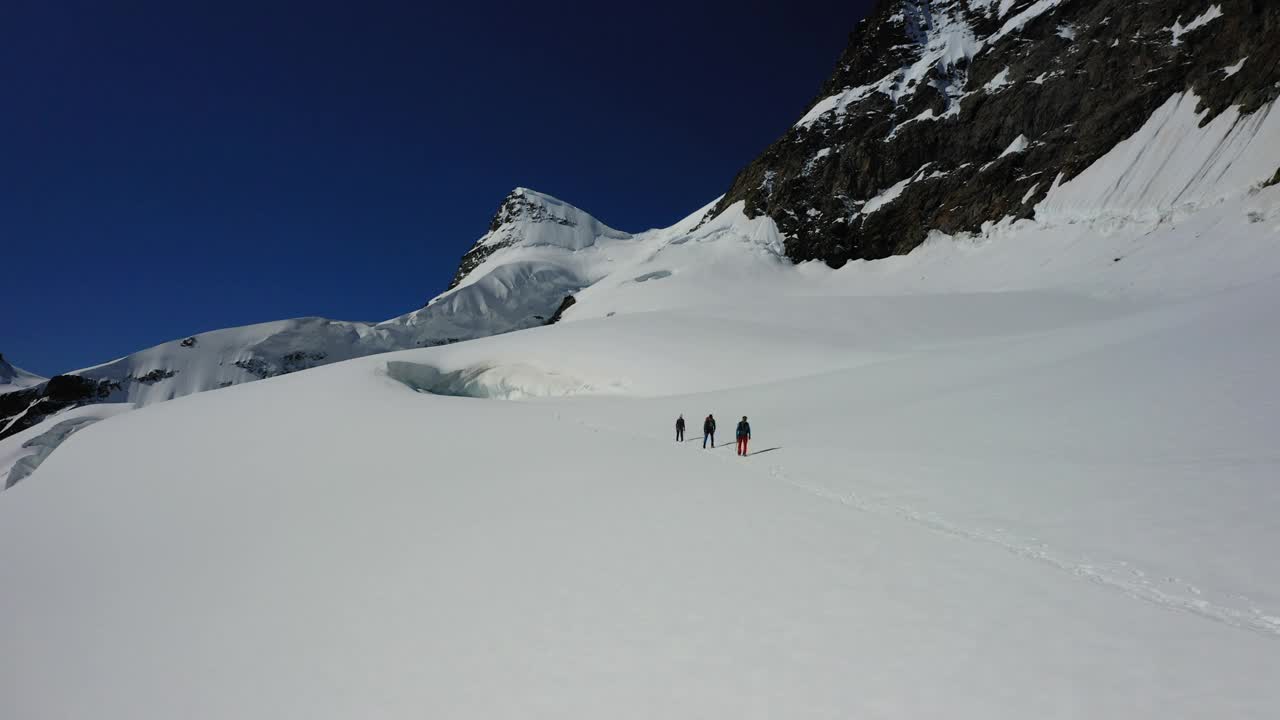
(744, 434)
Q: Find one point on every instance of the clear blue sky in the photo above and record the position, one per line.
(168, 168)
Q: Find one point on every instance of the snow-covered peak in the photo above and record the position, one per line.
(538, 252)
(15, 378)
(528, 218)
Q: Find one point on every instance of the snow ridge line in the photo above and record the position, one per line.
(1255, 619)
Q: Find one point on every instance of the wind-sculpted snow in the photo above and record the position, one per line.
(517, 381)
(42, 445)
(23, 452)
(1180, 161)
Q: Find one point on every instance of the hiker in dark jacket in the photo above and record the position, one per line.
(680, 429)
(744, 434)
(709, 431)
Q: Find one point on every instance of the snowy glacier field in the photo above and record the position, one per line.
(1030, 473)
(1054, 501)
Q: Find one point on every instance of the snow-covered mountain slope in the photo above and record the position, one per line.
(530, 219)
(1178, 163)
(22, 452)
(1025, 470)
(943, 115)
(538, 251)
(1025, 473)
(15, 378)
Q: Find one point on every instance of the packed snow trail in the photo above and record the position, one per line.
(1132, 581)
(1068, 464)
(1168, 592)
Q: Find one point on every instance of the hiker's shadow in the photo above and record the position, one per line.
(761, 452)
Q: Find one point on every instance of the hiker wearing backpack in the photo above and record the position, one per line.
(709, 432)
(744, 434)
(680, 429)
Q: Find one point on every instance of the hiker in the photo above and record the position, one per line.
(709, 432)
(680, 429)
(744, 434)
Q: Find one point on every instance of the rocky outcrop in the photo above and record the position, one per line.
(952, 113)
(155, 376)
(285, 364)
(25, 408)
(568, 302)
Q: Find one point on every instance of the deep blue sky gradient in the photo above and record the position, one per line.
(168, 168)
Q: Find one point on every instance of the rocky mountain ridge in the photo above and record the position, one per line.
(948, 114)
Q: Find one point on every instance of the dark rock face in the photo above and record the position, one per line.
(26, 408)
(155, 376)
(935, 92)
(289, 362)
(13, 404)
(568, 302)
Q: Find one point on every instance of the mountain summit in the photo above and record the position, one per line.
(528, 218)
(15, 378)
(538, 252)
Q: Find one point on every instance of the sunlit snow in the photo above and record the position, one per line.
(1028, 472)
(1233, 69)
(1178, 29)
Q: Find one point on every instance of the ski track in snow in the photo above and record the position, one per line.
(1137, 585)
